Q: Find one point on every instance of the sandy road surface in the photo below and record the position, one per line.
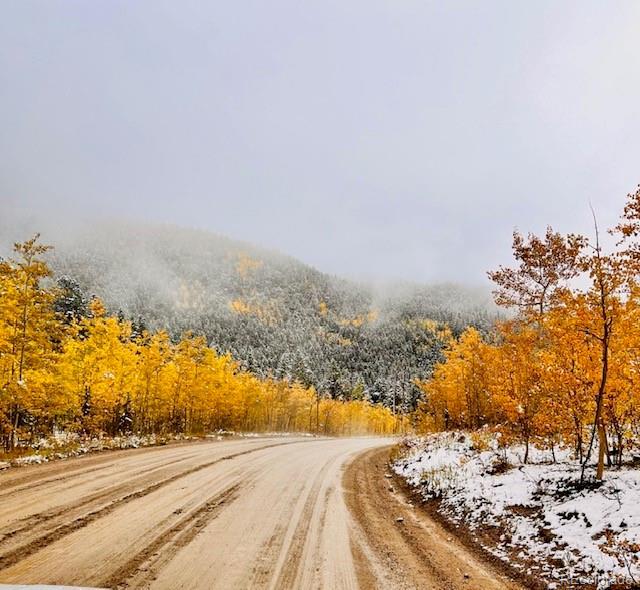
(252, 513)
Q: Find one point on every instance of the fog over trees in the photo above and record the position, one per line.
(277, 316)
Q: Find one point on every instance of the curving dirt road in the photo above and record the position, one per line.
(251, 513)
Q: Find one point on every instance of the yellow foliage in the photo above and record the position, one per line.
(246, 265)
(539, 380)
(268, 314)
(241, 307)
(369, 317)
(95, 376)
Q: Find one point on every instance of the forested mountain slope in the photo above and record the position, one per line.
(274, 314)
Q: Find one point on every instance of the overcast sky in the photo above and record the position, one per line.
(388, 139)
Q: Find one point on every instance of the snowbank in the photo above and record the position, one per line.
(536, 516)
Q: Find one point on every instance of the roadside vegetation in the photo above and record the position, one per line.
(564, 370)
(543, 463)
(66, 365)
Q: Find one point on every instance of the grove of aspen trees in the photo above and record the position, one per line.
(96, 374)
(564, 369)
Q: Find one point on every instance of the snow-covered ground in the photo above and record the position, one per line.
(535, 516)
(63, 445)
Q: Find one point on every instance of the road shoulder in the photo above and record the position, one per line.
(398, 544)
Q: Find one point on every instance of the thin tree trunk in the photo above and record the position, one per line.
(602, 446)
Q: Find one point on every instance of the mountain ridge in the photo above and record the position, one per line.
(275, 314)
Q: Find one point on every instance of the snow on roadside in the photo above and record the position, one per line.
(63, 445)
(534, 516)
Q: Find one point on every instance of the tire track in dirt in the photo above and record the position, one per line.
(71, 467)
(317, 557)
(288, 571)
(272, 555)
(276, 519)
(265, 558)
(97, 473)
(145, 563)
(21, 486)
(17, 554)
(30, 524)
(289, 531)
(276, 555)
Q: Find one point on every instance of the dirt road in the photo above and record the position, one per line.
(252, 513)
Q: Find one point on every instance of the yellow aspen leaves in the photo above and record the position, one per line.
(95, 375)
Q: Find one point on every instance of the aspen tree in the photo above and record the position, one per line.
(29, 334)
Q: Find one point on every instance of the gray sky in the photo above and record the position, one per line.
(389, 139)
